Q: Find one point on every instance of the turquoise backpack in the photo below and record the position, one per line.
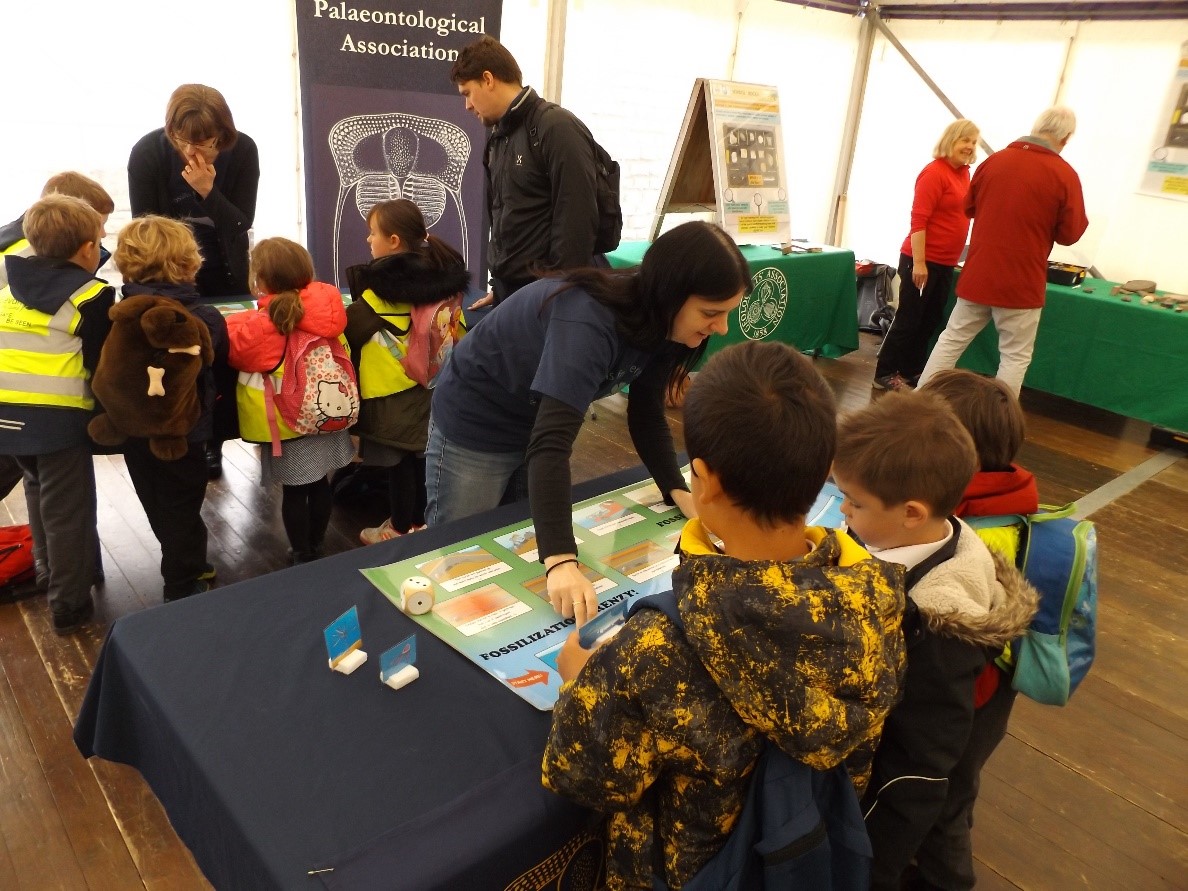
(1058, 556)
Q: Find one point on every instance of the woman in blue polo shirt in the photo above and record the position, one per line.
(510, 401)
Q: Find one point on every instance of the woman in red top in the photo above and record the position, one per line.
(928, 255)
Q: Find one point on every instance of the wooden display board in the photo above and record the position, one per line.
(729, 160)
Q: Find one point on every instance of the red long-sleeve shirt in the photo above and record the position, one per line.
(938, 208)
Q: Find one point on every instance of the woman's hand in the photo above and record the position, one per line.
(572, 657)
(684, 500)
(198, 173)
(919, 275)
(570, 592)
(484, 301)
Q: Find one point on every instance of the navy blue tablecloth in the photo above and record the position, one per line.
(271, 766)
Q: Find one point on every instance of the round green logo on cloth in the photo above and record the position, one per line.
(761, 311)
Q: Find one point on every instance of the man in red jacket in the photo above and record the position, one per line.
(1022, 200)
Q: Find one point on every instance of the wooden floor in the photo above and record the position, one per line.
(1094, 795)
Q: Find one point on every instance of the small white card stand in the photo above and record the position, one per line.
(403, 678)
(349, 662)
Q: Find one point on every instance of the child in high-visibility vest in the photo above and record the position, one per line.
(410, 269)
(289, 300)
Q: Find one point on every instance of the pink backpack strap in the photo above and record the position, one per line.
(270, 414)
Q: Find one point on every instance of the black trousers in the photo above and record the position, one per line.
(172, 493)
(406, 493)
(944, 859)
(917, 319)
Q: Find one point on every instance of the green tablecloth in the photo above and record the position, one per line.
(807, 300)
(1130, 358)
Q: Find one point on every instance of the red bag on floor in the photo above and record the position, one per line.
(16, 563)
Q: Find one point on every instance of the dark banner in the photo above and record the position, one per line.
(382, 120)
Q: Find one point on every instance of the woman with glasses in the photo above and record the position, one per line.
(200, 170)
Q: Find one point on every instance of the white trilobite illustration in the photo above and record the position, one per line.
(423, 160)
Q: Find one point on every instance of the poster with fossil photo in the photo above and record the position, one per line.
(748, 160)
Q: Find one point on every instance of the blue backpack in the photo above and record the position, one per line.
(799, 828)
(1058, 556)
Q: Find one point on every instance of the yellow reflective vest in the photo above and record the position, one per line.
(41, 360)
(252, 408)
(380, 370)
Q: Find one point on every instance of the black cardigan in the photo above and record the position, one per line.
(155, 185)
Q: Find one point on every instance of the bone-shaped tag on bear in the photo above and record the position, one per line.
(157, 375)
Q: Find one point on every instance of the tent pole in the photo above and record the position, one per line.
(554, 61)
(740, 6)
(1072, 41)
(894, 41)
(845, 164)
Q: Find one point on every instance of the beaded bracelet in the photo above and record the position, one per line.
(560, 563)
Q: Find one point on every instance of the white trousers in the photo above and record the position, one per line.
(1016, 340)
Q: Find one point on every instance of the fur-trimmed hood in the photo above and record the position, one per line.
(406, 278)
(952, 596)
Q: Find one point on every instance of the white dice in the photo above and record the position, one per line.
(416, 595)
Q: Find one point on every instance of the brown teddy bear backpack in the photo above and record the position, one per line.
(147, 377)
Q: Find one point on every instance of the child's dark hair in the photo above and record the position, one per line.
(403, 218)
(282, 268)
(907, 446)
(989, 410)
(763, 419)
(693, 258)
(486, 54)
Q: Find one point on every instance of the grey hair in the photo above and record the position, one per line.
(1056, 123)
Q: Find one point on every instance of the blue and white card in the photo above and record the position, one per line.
(343, 636)
(395, 658)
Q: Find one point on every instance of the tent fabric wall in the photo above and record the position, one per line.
(1002, 75)
(629, 70)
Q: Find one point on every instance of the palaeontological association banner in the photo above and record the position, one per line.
(382, 120)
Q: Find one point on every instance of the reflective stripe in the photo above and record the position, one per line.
(41, 359)
(42, 384)
(43, 340)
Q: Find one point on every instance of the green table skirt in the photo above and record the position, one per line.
(807, 300)
(1130, 358)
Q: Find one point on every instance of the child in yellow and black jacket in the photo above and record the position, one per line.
(411, 268)
(791, 634)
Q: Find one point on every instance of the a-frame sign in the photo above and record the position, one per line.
(729, 160)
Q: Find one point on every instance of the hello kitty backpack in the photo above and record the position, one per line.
(318, 391)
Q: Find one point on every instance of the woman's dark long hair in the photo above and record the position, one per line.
(694, 258)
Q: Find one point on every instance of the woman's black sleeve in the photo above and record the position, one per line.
(233, 206)
(549, 449)
(144, 175)
(649, 427)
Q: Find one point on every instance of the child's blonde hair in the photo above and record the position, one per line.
(282, 268)
(69, 182)
(58, 225)
(157, 249)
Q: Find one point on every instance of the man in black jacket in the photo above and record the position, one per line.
(541, 173)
